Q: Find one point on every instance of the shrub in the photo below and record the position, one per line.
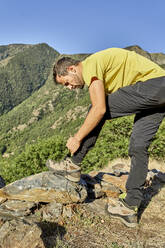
(33, 159)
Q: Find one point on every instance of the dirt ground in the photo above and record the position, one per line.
(90, 229)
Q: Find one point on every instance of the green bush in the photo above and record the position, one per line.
(33, 159)
(157, 148)
(112, 143)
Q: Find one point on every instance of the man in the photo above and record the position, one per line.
(120, 83)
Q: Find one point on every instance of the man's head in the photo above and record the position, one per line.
(68, 72)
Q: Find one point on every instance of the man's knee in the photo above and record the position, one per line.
(138, 147)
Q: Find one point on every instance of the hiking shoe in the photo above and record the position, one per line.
(120, 210)
(65, 168)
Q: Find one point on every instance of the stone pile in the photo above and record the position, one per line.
(49, 197)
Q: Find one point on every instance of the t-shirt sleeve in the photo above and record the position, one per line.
(92, 71)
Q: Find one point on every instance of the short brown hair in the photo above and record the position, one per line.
(60, 67)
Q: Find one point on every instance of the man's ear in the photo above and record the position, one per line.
(57, 78)
(71, 68)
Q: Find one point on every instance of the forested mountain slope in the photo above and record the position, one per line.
(23, 70)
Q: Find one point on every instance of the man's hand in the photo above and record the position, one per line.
(73, 144)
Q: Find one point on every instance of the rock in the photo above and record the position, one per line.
(16, 208)
(98, 206)
(52, 211)
(20, 234)
(68, 211)
(45, 187)
(111, 185)
(118, 182)
(2, 200)
(93, 187)
(119, 169)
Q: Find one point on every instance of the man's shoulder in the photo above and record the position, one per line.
(107, 52)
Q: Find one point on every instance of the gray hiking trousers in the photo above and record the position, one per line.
(147, 101)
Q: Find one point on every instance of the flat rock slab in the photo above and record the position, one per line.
(44, 187)
(16, 208)
(118, 182)
(97, 206)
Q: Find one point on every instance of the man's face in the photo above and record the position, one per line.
(72, 80)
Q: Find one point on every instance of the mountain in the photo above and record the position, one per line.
(40, 109)
(23, 70)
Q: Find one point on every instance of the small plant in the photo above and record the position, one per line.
(61, 244)
(114, 245)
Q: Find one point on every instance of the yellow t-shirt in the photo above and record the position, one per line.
(118, 67)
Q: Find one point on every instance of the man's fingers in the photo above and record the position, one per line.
(73, 145)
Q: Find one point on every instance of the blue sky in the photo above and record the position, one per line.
(84, 26)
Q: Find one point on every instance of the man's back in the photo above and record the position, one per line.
(118, 67)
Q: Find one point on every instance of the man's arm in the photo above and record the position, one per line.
(96, 113)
